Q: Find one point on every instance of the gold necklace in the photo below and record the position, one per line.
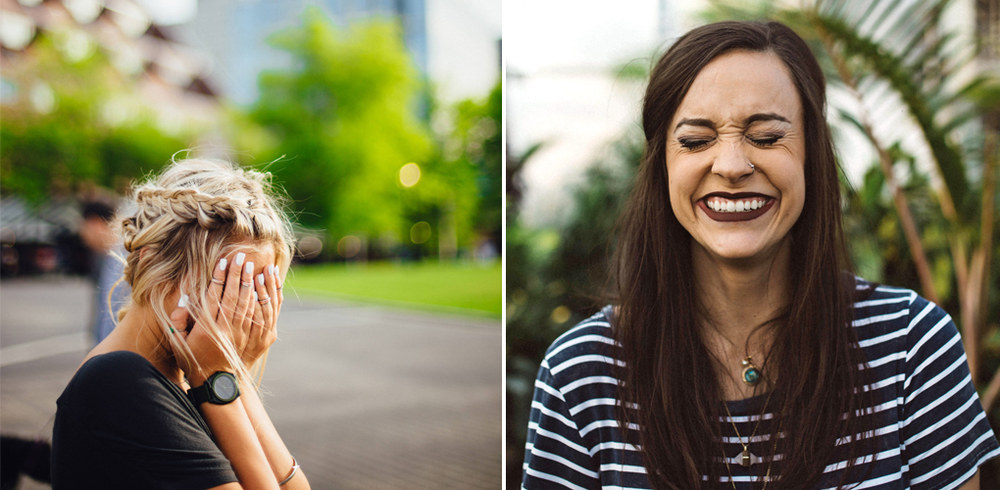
(746, 457)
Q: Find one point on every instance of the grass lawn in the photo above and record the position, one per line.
(474, 288)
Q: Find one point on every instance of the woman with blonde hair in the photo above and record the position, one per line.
(167, 400)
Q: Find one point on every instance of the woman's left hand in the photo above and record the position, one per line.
(263, 329)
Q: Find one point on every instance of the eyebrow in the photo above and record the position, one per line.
(769, 116)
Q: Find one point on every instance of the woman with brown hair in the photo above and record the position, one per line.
(168, 399)
(740, 352)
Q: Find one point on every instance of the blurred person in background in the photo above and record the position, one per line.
(105, 266)
(741, 352)
(168, 399)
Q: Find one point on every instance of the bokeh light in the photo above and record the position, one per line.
(409, 174)
(349, 246)
(420, 232)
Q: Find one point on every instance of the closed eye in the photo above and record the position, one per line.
(765, 140)
(694, 143)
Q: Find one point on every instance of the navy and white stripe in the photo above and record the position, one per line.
(930, 426)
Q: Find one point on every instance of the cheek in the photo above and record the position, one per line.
(680, 195)
(794, 194)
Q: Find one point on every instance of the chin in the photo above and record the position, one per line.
(737, 249)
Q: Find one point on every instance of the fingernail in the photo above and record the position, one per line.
(249, 268)
(260, 279)
(222, 264)
(255, 295)
(183, 302)
(271, 269)
(239, 258)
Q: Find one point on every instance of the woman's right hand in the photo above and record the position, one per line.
(230, 303)
(263, 331)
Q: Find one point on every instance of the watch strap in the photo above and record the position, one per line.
(200, 394)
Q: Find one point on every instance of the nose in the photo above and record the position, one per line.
(731, 163)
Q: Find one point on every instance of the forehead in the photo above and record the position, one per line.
(738, 84)
(257, 252)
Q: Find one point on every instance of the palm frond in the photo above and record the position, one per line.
(898, 74)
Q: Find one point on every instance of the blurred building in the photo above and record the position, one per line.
(453, 43)
(166, 76)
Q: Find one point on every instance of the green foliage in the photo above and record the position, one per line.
(340, 125)
(62, 143)
(483, 147)
(344, 118)
(459, 188)
(556, 278)
(456, 287)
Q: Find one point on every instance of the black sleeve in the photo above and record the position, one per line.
(121, 424)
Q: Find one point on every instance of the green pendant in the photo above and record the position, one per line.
(751, 375)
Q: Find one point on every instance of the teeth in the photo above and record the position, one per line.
(721, 205)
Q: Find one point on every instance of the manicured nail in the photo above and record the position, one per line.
(260, 279)
(222, 264)
(183, 302)
(255, 295)
(271, 269)
(239, 258)
(249, 268)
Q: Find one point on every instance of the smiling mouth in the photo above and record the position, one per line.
(735, 207)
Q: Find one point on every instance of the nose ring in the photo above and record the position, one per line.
(753, 168)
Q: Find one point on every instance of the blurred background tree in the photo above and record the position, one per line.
(342, 133)
(344, 117)
(908, 93)
(78, 127)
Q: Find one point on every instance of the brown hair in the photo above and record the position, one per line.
(668, 370)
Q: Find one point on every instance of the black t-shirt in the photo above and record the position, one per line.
(121, 424)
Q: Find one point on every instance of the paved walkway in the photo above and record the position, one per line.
(365, 397)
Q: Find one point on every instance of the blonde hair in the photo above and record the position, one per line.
(187, 218)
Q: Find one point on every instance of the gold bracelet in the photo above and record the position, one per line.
(295, 469)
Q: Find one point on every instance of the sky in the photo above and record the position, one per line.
(170, 12)
(563, 89)
(463, 53)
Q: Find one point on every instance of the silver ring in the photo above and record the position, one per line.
(753, 168)
(218, 281)
(245, 284)
(264, 301)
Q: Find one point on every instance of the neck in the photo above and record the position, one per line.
(740, 295)
(138, 332)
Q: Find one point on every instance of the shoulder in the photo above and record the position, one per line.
(589, 337)
(886, 311)
(584, 350)
(114, 371)
(110, 385)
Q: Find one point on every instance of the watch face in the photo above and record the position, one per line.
(224, 387)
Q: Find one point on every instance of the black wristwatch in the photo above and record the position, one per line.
(220, 388)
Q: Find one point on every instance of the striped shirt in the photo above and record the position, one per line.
(931, 429)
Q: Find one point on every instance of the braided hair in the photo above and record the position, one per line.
(187, 218)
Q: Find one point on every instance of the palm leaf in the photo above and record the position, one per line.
(898, 74)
